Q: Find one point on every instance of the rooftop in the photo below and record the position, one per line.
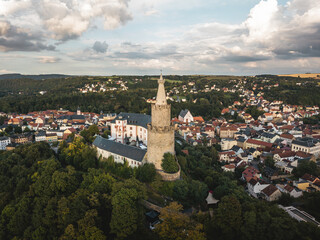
(120, 149)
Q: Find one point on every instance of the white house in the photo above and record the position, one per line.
(4, 141)
(185, 116)
(292, 191)
(255, 187)
(41, 136)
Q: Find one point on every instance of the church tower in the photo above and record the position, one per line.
(160, 131)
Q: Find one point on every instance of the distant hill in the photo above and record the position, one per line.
(35, 77)
(302, 75)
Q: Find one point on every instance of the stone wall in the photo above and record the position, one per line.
(161, 115)
(160, 141)
(170, 176)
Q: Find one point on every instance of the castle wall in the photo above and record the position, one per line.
(160, 141)
(161, 115)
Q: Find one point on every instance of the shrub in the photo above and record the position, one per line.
(169, 164)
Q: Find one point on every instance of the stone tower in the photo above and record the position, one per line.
(160, 131)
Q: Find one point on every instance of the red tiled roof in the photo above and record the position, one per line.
(288, 127)
(230, 166)
(230, 153)
(287, 154)
(231, 128)
(186, 152)
(286, 135)
(303, 154)
(289, 188)
(258, 142)
(198, 119)
(308, 177)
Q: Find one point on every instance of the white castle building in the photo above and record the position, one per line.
(130, 127)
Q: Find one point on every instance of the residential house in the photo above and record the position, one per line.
(292, 191)
(288, 138)
(229, 168)
(255, 187)
(269, 137)
(51, 137)
(227, 143)
(303, 185)
(227, 156)
(253, 143)
(249, 173)
(271, 193)
(41, 136)
(15, 121)
(227, 132)
(185, 116)
(4, 142)
(307, 145)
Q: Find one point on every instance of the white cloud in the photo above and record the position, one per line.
(4, 71)
(64, 19)
(48, 59)
(262, 21)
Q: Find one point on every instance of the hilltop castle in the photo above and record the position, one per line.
(159, 136)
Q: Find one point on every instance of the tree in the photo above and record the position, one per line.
(169, 163)
(197, 191)
(176, 225)
(146, 172)
(254, 112)
(88, 134)
(106, 134)
(79, 155)
(227, 217)
(126, 210)
(306, 167)
(269, 162)
(180, 190)
(18, 129)
(96, 180)
(26, 129)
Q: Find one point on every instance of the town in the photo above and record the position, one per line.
(269, 147)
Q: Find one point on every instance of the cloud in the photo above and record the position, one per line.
(17, 39)
(151, 12)
(100, 47)
(48, 59)
(59, 20)
(271, 33)
(4, 71)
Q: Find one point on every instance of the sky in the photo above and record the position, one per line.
(106, 37)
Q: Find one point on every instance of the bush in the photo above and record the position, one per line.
(146, 172)
(169, 164)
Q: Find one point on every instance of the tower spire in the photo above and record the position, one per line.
(161, 95)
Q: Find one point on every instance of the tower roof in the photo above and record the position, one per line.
(161, 95)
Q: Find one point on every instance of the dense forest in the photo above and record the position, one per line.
(73, 195)
(21, 96)
(295, 91)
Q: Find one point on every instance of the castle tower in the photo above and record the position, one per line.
(160, 131)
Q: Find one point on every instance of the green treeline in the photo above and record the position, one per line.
(73, 195)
